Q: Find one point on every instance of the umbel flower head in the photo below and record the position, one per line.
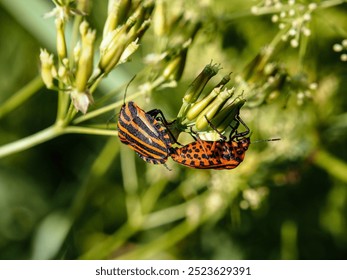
(293, 17)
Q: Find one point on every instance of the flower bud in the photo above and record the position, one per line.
(212, 109)
(61, 42)
(77, 52)
(174, 69)
(85, 62)
(47, 68)
(84, 28)
(226, 117)
(130, 49)
(195, 89)
(83, 7)
(224, 81)
(197, 108)
(140, 20)
(197, 86)
(111, 49)
(141, 31)
(160, 18)
(62, 73)
(118, 11)
(81, 100)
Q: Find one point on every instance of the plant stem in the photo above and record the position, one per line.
(48, 134)
(331, 164)
(21, 96)
(109, 245)
(89, 130)
(63, 104)
(165, 241)
(331, 3)
(31, 141)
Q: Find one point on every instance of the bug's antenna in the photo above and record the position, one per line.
(267, 140)
(126, 88)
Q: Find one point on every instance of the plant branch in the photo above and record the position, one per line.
(48, 134)
(165, 241)
(21, 96)
(89, 130)
(331, 3)
(110, 244)
(31, 141)
(331, 164)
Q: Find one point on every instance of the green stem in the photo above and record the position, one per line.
(274, 44)
(69, 115)
(21, 96)
(101, 164)
(334, 166)
(165, 216)
(110, 244)
(302, 51)
(88, 130)
(163, 242)
(63, 104)
(31, 141)
(48, 134)
(328, 4)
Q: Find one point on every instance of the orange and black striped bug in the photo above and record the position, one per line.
(145, 133)
(221, 154)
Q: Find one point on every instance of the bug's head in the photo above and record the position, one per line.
(244, 143)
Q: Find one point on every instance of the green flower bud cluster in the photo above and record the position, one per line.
(72, 77)
(74, 72)
(206, 113)
(123, 29)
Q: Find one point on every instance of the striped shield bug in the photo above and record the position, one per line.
(144, 132)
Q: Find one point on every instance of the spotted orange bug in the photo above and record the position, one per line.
(144, 132)
(221, 154)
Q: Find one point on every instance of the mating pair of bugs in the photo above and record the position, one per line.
(147, 134)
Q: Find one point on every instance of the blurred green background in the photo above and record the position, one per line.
(83, 196)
